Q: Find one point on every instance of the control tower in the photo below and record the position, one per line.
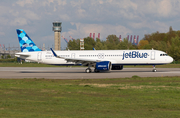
(57, 35)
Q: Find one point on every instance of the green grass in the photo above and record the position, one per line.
(125, 97)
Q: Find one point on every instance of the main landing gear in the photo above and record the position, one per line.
(154, 68)
(88, 70)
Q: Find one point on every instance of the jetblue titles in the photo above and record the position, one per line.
(134, 54)
(101, 65)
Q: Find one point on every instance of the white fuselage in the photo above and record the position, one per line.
(122, 57)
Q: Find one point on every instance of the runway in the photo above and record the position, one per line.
(79, 73)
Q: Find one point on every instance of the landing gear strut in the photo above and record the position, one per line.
(154, 68)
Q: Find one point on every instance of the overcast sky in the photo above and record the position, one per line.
(81, 17)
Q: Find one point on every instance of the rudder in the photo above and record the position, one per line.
(25, 42)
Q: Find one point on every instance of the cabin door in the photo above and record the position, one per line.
(39, 56)
(152, 55)
(73, 55)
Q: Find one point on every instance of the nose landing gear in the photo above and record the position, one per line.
(154, 69)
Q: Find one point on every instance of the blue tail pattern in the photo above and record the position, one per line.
(26, 44)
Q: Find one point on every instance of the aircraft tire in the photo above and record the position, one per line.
(88, 70)
(154, 70)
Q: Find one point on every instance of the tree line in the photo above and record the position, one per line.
(168, 42)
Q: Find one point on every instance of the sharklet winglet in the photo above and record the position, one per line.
(53, 52)
(56, 54)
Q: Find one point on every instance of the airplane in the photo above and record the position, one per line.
(100, 60)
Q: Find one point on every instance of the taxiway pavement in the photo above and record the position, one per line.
(79, 73)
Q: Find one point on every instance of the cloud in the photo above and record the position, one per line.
(81, 17)
(3, 10)
(101, 2)
(81, 13)
(21, 19)
(65, 17)
(22, 3)
(84, 30)
(165, 8)
(159, 8)
(76, 3)
(153, 25)
(47, 38)
(2, 33)
(18, 22)
(31, 15)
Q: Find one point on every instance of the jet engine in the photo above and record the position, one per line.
(103, 66)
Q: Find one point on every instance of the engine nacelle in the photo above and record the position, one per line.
(117, 67)
(104, 65)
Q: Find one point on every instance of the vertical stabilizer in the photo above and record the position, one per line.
(25, 42)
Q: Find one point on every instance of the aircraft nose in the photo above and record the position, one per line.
(170, 59)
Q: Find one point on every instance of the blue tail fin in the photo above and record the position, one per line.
(26, 44)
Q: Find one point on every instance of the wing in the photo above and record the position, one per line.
(82, 61)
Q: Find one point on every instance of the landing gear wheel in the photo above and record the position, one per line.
(88, 70)
(154, 70)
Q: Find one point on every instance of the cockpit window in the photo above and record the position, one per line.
(163, 54)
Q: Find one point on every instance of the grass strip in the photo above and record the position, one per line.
(121, 97)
